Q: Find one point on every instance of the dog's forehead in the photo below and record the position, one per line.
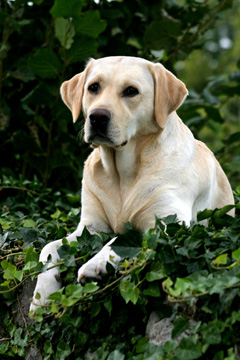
(120, 66)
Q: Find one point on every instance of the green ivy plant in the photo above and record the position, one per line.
(190, 274)
(47, 42)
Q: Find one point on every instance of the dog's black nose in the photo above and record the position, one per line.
(99, 119)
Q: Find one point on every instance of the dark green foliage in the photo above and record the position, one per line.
(47, 42)
(196, 268)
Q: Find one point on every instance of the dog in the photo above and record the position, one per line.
(145, 161)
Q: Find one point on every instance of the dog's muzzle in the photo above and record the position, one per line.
(99, 120)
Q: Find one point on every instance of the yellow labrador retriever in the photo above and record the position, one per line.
(145, 161)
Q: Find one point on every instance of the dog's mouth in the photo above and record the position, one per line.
(100, 139)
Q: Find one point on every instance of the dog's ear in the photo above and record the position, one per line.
(169, 92)
(72, 92)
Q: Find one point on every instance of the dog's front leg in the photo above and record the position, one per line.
(96, 266)
(50, 281)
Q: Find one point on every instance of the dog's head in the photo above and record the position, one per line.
(122, 97)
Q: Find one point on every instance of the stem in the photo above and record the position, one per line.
(20, 188)
(5, 339)
(36, 273)
(184, 298)
(11, 254)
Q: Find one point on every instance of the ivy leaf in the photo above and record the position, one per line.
(188, 350)
(4, 264)
(205, 214)
(212, 331)
(67, 302)
(29, 223)
(81, 49)
(70, 261)
(116, 355)
(108, 305)
(54, 308)
(223, 211)
(64, 251)
(180, 325)
(56, 215)
(69, 8)
(64, 31)
(20, 338)
(31, 255)
(63, 350)
(133, 294)
(236, 255)
(162, 34)
(19, 275)
(220, 260)
(74, 199)
(91, 287)
(127, 245)
(75, 290)
(29, 234)
(45, 64)
(30, 265)
(4, 347)
(90, 24)
(129, 291)
(157, 272)
(57, 295)
(9, 273)
(3, 238)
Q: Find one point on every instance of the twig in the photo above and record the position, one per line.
(5, 339)
(10, 253)
(236, 352)
(20, 188)
(200, 29)
(25, 322)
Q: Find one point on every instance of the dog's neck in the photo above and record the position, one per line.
(119, 163)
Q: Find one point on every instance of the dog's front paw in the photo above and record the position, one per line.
(47, 283)
(96, 267)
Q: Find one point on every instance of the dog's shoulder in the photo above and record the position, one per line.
(93, 163)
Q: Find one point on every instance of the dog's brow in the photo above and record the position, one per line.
(129, 82)
(97, 78)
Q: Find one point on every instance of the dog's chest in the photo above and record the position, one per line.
(120, 211)
(124, 202)
(124, 195)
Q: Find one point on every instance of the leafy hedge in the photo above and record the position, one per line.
(189, 274)
(47, 42)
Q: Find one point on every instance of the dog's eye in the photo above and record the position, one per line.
(130, 91)
(94, 88)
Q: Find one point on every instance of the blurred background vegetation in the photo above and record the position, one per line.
(47, 42)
